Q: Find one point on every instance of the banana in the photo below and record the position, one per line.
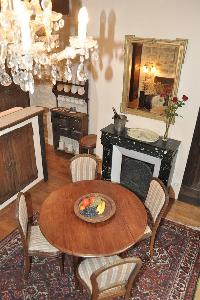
(98, 209)
(101, 207)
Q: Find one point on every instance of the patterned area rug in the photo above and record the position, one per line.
(171, 274)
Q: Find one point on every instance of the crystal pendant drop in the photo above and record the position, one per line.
(61, 23)
(36, 69)
(68, 72)
(5, 79)
(47, 70)
(81, 74)
(15, 76)
(30, 83)
(54, 74)
(56, 26)
(94, 56)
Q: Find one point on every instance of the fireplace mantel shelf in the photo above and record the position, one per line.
(166, 152)
(169, 145)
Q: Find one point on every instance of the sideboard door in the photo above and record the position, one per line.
(23, 156)
(18, 167)
(7, 180)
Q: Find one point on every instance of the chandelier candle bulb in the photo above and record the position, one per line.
(9, 4)
(82, 24)
(23, 19)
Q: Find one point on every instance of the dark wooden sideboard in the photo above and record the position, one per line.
(65, 122)
(69, 125)
(23, 160)
(18, 165)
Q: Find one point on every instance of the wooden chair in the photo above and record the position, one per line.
(156, 202)
(108, 277)
(83, 167)
(34, 243)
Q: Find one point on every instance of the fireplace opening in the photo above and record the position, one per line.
(136, 175)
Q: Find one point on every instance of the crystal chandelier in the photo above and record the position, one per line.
(29, 43)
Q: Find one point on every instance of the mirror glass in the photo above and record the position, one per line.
(151, 74)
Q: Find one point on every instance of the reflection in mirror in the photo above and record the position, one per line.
(151, 74)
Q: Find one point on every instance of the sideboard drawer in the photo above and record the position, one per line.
(75, 124)
(76, 135)
(65, 124)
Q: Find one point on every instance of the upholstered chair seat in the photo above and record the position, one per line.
(90, 265)
(37, 242)
(83, 167)
(108, 277)
(34, 243)
(148, 231)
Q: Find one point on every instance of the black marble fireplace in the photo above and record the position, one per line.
(133, 163)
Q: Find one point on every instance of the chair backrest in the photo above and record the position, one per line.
(116, 278)
(83, 167)
(22, 216)
(157, 199)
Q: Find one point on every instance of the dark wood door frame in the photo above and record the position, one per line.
(190, 189)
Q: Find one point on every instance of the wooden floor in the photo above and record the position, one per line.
(58, 167)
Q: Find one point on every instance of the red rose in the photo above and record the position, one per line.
(175, 99)
(162, 95)
(185, 98)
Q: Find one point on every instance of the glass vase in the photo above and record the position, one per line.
(165, 137)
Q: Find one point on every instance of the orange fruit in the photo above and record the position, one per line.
(82, 207)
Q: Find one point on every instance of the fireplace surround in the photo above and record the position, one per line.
(158, 156)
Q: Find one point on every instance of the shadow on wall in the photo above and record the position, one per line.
(71, 23)
(107, 45)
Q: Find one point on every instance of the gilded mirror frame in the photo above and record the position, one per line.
(130, 40)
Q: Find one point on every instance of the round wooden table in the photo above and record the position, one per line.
(63, 229)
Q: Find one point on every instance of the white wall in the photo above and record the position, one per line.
(109, 21)
(43, 96)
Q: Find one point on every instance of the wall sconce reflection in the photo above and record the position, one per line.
(145, 69)
(152, 70)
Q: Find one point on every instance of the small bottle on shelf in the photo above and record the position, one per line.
(116, 115)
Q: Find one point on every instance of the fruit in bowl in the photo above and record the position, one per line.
(85, 202)
(92, 206)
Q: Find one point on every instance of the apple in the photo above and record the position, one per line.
(85, 202)
(92, 199)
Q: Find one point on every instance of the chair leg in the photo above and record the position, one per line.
(91, 151)
(127, 296)
(152, 245)
(62, 263)
(27, 266)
